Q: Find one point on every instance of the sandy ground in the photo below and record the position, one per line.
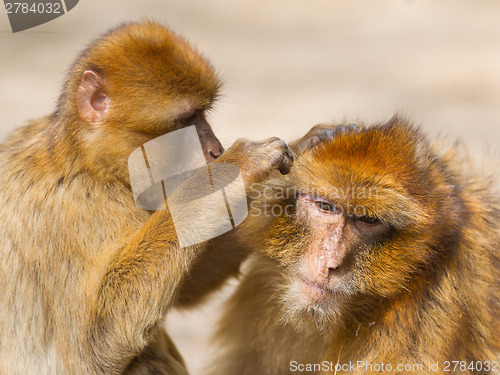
(287, 65)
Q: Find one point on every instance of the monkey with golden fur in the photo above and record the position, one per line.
(379, 255)
(86, 276)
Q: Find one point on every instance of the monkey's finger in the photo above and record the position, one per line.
(321, 133)
(287, 161)
(281, 155)
(340, 129)
(272, 142)
(353, 128)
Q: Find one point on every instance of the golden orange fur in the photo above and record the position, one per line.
(426, 292)
(86, 277)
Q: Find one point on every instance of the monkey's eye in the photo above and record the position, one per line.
(189, 119)
(325, 206)
(370, 220)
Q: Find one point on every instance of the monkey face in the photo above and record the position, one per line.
(324, 251)
(366, 220)
(337, 237)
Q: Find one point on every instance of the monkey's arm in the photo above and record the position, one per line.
(132, 291)
(214, 266)
(222, 257)
(137, 280)
(218, 262)
(222, 260)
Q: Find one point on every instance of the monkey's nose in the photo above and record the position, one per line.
(211, 156)
(332, 270)
(214, 152)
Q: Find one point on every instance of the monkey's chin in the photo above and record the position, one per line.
(305, 302)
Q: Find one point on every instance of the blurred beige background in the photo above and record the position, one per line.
(287, 65)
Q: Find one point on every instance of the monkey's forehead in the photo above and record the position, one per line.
(386, 169)
(397, 153)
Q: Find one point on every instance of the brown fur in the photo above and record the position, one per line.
(86, 277)
(427, 292)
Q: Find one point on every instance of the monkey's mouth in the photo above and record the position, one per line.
(313, 291)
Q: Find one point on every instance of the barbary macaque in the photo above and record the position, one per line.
(86, 276)
(383, 259)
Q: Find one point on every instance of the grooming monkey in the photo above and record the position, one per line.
(385, 251)
(86, 277)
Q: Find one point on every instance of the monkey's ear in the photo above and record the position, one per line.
(91, 100)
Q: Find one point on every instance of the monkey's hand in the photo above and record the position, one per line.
(321, 133)
(258, 159)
